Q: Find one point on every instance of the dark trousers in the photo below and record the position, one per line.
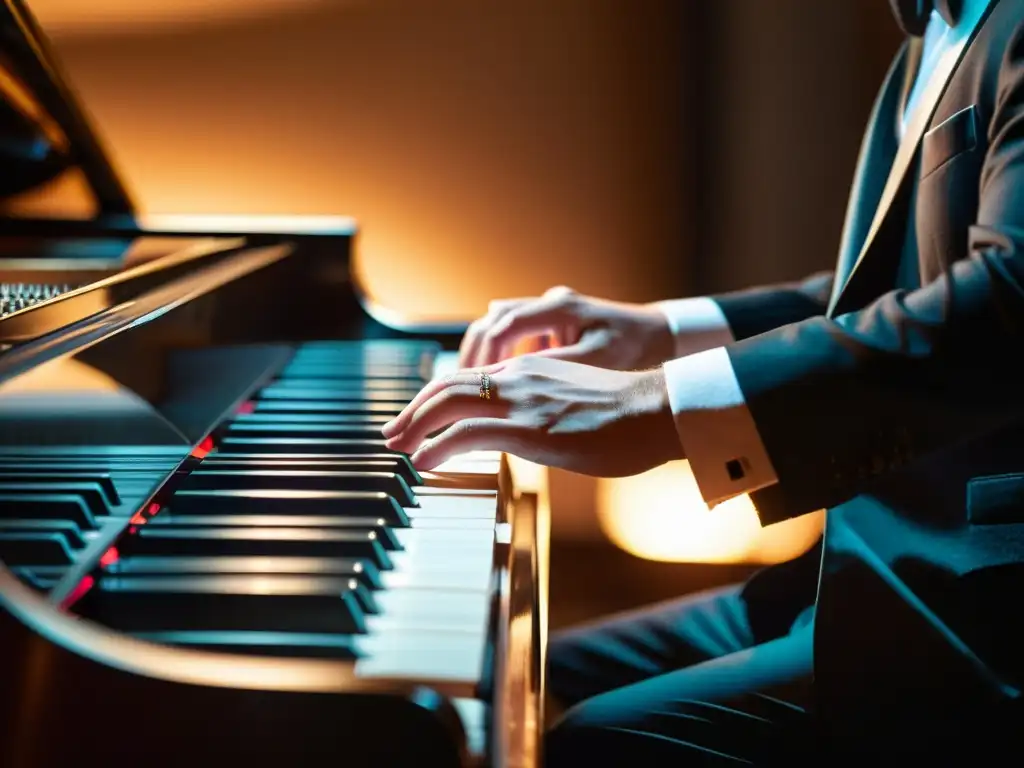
(694, 682)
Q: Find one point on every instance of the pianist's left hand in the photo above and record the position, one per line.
(554, 412)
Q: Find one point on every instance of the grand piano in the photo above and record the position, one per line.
(207, 554)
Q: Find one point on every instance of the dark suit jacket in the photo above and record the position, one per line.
(899, 410)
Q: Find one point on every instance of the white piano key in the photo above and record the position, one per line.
(445, 363)
(464, 569)
(455, 656)
(451, 539)
(453, 506)
(460, 523)
(477, 579)
(474, 462)
(454, 490)
(415, 609)
(473, 570)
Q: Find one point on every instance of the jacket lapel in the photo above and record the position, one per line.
(873, 163)
(968, 24)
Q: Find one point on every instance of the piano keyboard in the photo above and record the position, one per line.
(207, 553)
(291, 531)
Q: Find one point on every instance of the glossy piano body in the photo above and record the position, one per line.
(206, 552)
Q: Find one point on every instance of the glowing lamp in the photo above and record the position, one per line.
(659, 515)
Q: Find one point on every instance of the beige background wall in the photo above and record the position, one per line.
(486, 150)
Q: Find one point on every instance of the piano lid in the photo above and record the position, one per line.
(45, 134)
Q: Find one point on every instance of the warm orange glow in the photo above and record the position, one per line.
(113, 15)
(660, 515)
(471, 142)
(63, 375)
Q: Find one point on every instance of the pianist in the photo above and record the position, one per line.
(802, 395)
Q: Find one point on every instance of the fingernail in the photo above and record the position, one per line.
(388, 428)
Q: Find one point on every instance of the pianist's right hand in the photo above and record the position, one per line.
(607, 334)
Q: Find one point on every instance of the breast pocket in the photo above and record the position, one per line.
(996, 499)
(953, 137)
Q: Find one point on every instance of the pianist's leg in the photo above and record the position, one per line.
(648, 680)
(743, 708)
(637, 645)
(633, 646)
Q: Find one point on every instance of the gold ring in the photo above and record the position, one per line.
(485, 387)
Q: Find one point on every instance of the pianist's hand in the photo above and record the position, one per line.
(608, 334)
(555, 412)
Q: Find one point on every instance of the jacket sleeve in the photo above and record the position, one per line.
(839, 401)
(754, 311)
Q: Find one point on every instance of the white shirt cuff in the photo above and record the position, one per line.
(697, 324)
(716, 428)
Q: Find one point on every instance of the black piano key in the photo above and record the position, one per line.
(102, 452)
(302, 445)
(269, 502)
(43, 577)
(35, 548)
(306, 429)
(364, 597)
(361, 570)
(385, 535)
(309, 480)
(397, 463)
(361, 350)
(36, 578)
(56, 473)
(355, 407)
(358, 419)
(68, 529)
(41, 506)
(412, 349)
(344, 371)
(267, 542)
(349, 385)
(394, 396)
(228, 603)
(284, 644)
(100, 462)
(88, 491)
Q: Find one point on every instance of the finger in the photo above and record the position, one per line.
(469, 376)
(448, 407)
(559, 291)
(583, 351)
(548, 315)
(461, 378)
(482, 434)
(471, 341)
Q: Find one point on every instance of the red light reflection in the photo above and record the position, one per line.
(201, 450)
(78, 592)
(110, 557)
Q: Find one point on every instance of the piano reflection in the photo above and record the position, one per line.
(207, 554)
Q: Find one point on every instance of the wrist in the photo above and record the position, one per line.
(654, 406)
(661, 341)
